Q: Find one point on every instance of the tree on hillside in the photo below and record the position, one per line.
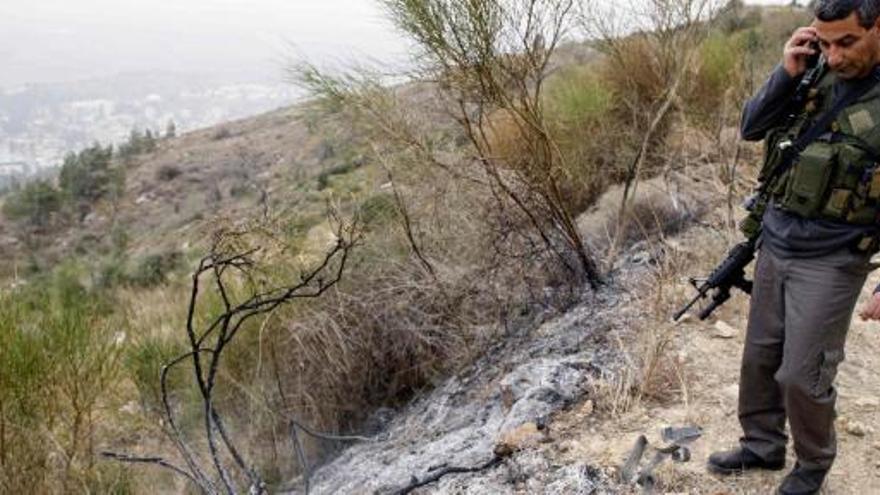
(138, 143)
(149, 141)
(35, 203)
(134, 145)
(87, 176)
(171, 130)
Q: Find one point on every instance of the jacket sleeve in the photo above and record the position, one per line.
(769, 106)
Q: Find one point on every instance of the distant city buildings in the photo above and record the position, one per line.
(14, 168)
(37, 130)
(12, 171)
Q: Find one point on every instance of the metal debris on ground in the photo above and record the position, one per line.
(676, 440)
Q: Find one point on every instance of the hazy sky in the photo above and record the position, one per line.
(52, 40)
(60, 40)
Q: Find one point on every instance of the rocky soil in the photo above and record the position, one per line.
(702, 363)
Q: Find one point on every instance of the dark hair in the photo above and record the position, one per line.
(835, 10)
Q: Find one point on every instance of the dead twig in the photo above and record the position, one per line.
(448, 470)
(224, 267)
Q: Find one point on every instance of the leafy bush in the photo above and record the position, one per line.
(221, 134)
(59, 354)
(577, 94)
(138, 143)
(144, 360)
(378, 209)
(153, 269)
(718, 72)
(635, 72)
(736, 16)
(719, 57)
(86, 176)
(35, 204)
(580, 110)
(341, 169)
(167, 173)
(111, 273)
(171, 129)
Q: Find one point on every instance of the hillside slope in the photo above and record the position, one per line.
(565, 395)
(233, 171)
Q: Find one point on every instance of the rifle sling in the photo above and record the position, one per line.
(818, 128)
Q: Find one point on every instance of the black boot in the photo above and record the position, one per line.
(739, 460)
(802, 481)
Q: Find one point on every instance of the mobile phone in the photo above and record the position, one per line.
(813, 59)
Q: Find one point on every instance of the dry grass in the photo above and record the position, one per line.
(662, 226)
(389, 330)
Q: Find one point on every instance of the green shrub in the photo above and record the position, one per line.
(35, 204)
(719, 58)
(736, 16)
(718, 75)
(167, 173)
(221, 134)
(378, 209)
(341, 169)
(59, 355)
(240, 190)
(86, 176)
(144, 361)
(111, 273)
(153, 269)
(580, 106)
(138, 143)
(577, 94)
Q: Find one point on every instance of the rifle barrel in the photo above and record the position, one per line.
(701, 294)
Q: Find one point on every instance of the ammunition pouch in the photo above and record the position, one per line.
(808, 180)
(832, 180)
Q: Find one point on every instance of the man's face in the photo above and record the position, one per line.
(850, 50)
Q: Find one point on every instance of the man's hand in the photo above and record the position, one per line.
(871, 309)
(798, 50)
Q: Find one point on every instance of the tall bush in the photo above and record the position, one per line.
(36, 204)
(59, 352)
(488, 61)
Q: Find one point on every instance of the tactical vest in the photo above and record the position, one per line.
(837, 176)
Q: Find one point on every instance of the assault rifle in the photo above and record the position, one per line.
(731, 272)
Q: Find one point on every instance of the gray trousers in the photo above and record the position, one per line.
(798, 319)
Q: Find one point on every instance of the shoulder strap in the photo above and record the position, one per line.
(845, 100)
(792, 150)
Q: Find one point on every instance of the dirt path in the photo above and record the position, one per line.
(706, 369)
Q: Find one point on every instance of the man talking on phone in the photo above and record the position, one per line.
(818, 233)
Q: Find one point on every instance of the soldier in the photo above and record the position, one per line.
(819, 232)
